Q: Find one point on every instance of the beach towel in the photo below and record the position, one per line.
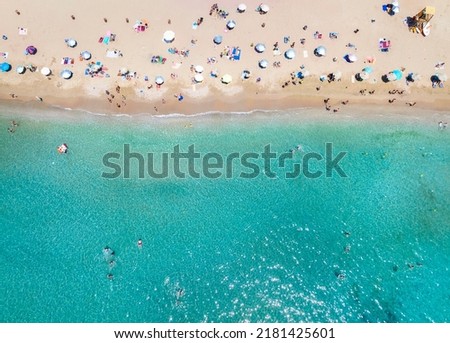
(112, 53)
(305, 53)
(106, 40)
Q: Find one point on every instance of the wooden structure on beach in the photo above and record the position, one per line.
(420, 23)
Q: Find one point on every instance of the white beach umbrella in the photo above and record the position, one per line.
(198, 78)
(66, 74)
(198, 69)
(391, 76)
(363, 75)
(86, 55)
(320, 51)
(20, 69)
(159, 80)
(260, 47)
(263, 64)
(169, 36)
(289, 54)
(263, 8)
(46, 71)
(123, 70)
(72, 43)
(226, 78)
(351, 58)
(231, 25)
(337, 75)
(241, 8)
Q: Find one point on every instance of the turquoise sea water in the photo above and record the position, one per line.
(371, 247)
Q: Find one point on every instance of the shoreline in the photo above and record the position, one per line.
(273, 88)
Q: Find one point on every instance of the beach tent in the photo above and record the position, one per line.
(289, 54)
(263, 64)
(226, 79)
(46, 71)
(260, 47)
(5, 67)
(159, 80)
(231, 25)
(320, 51)
(198, 78)
(242, 8)
(350, 58)
(66, 74)
(31, 50)
(217, 39)
(20, 69)
(71, 43)
(198, 69)
(86, 55)
(169, 36)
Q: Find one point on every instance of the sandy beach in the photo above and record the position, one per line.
(128, 52)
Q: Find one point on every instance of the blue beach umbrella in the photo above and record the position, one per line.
(217, 39)
(398, 74)
(5, 67)
(368, 70)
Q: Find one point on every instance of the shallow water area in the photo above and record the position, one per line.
(369, 247)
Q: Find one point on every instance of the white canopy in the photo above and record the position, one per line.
(169, 36)
(46, 71)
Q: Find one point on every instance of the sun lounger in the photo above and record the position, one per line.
(305, 53)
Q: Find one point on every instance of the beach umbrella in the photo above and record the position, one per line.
(198, 78)
(86, 55)
(337, 75)
(362, 75)
(245, 74)
(217, 39)
(46, 71)
(263, 64)
(231, 25)
(260, 47)
(66, 74)
(241, 8)
(169, 36)
(20, 69)
(198, 69)
(5, 67)
(398, 74)
(72, 43)
(289, 54)
(320, 51)
(226, 79)
(412, 77)
(368, 70)
(31, 50)
(123, 71)
(350, 58)
(263, 8)
(159, 80)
